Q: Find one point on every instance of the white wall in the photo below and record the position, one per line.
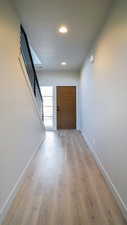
(61, 79)
(103, 98)
(58, 78)
(21, 130)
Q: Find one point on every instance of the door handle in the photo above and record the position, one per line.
(58, 108)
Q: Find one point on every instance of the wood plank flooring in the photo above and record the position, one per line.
(63, 186)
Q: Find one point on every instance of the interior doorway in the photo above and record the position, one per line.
(66, 107)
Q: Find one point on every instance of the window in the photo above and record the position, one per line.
(47, 93)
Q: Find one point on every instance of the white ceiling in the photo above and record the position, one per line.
(42, 18)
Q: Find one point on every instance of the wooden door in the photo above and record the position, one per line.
(66, 107)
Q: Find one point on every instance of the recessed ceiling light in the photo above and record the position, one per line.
(63, 63)
(63, 29)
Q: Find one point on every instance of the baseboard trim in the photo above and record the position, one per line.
(107, 178)
(8, 202)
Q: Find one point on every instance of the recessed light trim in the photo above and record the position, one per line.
(63, 63)
(63, 29)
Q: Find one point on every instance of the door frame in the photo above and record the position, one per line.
(55, 104)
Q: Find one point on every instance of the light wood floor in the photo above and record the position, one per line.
(63, 186)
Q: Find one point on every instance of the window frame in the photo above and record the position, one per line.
(53, 127)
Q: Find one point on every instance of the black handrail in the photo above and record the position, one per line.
(28, 60)
(31, 59)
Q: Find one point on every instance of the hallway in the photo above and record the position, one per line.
(63, 186)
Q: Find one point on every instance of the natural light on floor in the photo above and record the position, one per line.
(47, 94)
